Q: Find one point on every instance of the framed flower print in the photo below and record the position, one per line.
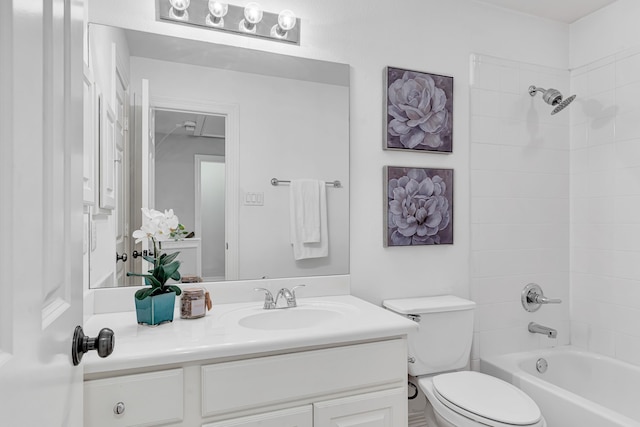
(419, 111)
(419, 206)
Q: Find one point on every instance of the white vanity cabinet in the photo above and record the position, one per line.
(358, 385)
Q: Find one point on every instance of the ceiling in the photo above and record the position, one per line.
(558, 10)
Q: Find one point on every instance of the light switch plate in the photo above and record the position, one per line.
(254, 199)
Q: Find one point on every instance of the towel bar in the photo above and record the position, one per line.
(276, 181)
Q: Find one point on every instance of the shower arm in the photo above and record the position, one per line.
(533, 90)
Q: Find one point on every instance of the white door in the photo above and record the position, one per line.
(41, 195)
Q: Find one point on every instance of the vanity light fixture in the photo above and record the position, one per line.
(249, 20)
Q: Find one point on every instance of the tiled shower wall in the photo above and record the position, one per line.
(519, 204)
(605, 206)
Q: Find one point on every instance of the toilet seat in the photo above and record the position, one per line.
(484, 399)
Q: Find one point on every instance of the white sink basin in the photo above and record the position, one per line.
(306, 315)
(289, 318)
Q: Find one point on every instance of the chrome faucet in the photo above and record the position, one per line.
(288, 295)
(535, 328)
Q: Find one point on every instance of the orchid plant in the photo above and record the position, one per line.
(158, 226)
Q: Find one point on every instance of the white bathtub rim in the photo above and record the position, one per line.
(507, 367)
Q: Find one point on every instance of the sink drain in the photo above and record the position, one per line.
(542, 365)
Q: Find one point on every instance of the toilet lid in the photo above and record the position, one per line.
(487, 397)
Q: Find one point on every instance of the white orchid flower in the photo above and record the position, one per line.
(157, 225)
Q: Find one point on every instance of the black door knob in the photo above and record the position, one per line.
(103, 344)
(122, 257)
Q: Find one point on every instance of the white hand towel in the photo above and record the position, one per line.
(308, 219)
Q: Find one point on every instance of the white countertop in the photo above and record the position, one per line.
(218, 334)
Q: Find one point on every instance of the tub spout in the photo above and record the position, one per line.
(535, 328)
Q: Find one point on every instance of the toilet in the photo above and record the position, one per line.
(439, 351)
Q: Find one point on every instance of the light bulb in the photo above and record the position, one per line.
(179, 9)
(253, 13)
(286, 21)
(180, 5)
(217, 11)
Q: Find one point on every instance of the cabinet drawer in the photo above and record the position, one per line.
(387, 408)
(263, 381)
(295, 417)
(148, 399)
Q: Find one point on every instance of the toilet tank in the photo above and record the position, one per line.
(445, 331)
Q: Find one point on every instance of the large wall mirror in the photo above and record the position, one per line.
(202, 129)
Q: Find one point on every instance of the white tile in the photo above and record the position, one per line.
(520, 211)
(486, 76)
(486, 157)
(579, 135)
(627, 209)
(628, 70)
(601, 131)
(602, 158)
(627, 182)
(626, 237)
(628, 153)
(626, 320)
(627, 126)
(601, 341)
(625, 292)
(627, 348)
(579, 334)
(601, 79)
(601, 183)
(496, 342)
(579, 161)
(628, 98)
(626, 265)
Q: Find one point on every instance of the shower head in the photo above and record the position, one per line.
(552, 97)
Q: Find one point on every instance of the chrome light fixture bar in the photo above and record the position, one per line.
(250, 20)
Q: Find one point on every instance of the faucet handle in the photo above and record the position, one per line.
(532, 298)
(268, 298)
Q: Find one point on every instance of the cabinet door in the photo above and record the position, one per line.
(294, 417)
(386, 408)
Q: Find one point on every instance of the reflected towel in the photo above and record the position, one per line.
(308, 218)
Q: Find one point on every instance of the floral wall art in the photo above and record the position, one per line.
(419, 207)
(419, 111)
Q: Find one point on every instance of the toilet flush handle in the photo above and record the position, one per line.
(415, 317)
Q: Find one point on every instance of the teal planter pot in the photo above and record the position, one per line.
(156, 309)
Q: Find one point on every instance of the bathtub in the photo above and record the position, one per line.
(578, 389)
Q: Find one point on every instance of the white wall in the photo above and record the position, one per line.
(427, 35)
(175, 173)
(519, 204)
(278, 138)
(605, 182)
